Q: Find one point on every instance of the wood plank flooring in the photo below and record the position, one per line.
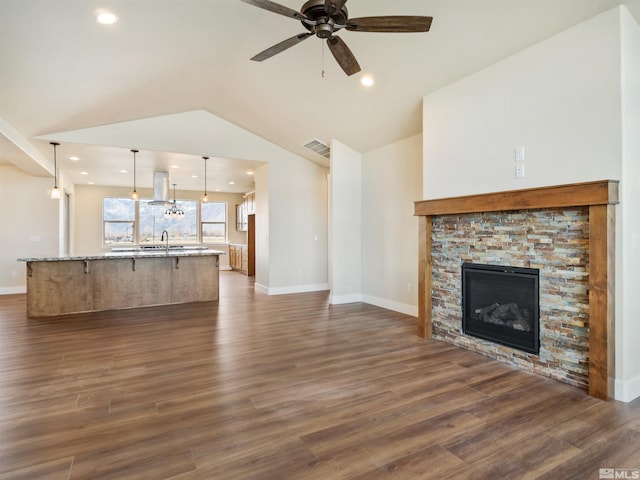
(289, 387)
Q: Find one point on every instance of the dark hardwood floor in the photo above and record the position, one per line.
(284, 387)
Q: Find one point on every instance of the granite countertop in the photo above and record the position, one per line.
(128, 254)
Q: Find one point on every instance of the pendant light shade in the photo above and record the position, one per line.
(55, 191)
(174, 211)
(134, 194)
(205, 199)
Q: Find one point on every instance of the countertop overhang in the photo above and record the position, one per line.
(133, 254)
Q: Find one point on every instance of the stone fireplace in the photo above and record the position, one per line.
(563, 232)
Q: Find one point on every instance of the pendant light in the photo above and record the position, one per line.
(205, 199)
(55, 191)
(174, 211)
(134, 194)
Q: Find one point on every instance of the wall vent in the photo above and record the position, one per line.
(316, 146)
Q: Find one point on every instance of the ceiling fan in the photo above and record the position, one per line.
(323, 18)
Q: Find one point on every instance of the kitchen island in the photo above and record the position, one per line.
(112, 281)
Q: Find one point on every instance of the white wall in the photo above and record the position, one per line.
(391, 182)
(297, 227)
(628, 265)
(562, 100)
(346, 224)
(30, 224)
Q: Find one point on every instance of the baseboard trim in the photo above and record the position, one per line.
(261, 288)
(12, 290)
(391, 305)
(342, 299)
(319, 287)
(627, 391)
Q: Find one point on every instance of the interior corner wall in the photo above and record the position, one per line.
(391, 183)
(298, 227)
(560, 99)
(628, 237)
(345, 220)
(30, 226)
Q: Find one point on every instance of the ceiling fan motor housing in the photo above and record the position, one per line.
(323, 24)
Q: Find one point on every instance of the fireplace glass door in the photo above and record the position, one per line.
(501, 304)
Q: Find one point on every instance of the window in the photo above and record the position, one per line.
(182, 231)
(125, 220)
(213, 220)
(118, 220)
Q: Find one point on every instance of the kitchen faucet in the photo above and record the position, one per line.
(165, 237)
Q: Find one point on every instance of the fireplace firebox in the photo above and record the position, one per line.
(501, 304)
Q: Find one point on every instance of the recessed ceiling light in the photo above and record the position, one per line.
(232, 183)
(249, 173)
(91, 183)
(75, 159)
(84, 173)
(367, 81)
(217, 189)
(175, 166)
(106, 18)
(194, 176)
(124, 171)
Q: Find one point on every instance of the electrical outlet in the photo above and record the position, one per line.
(520, 170)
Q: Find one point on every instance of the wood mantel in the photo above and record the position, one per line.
(601, 198)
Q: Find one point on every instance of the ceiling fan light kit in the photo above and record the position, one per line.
(324, 18)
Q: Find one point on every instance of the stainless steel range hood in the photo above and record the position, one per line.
(161, 189)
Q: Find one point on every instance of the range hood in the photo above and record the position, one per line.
(161, 189)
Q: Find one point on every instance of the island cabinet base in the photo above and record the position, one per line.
(75, 286)
(56, 288)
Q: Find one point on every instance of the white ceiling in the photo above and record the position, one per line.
(62, 73)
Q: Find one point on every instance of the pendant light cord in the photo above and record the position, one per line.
(205, 175)
(55, 165)
(134, 194)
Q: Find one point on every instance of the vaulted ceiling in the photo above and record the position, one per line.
(65, 77)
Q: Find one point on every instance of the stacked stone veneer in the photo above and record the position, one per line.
(555, 241)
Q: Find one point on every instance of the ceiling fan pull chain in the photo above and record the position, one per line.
(322, 59)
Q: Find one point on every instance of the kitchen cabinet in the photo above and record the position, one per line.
(239, 258)
(243, 210)
(250, 203)
(242, 258)
(241, 218)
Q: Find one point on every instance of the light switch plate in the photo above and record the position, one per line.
(520, 154)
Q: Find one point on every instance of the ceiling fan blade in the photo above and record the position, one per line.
(276, 8)
(343, 55)
(391, 24)
(280, 47)
(333, 6)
